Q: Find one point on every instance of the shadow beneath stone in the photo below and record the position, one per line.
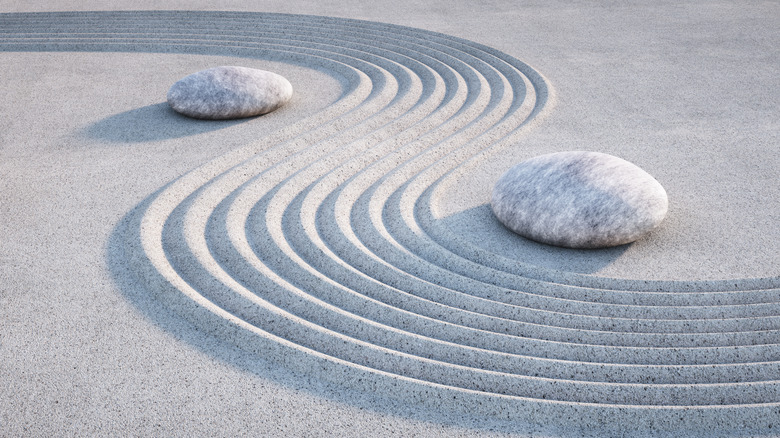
(152, 123)
(480, 227)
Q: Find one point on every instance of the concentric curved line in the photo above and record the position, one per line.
(322, 251)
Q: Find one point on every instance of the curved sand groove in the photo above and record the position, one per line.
(318, 246)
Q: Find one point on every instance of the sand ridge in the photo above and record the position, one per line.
(322, 251)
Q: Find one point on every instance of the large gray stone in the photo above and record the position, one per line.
(579, 200)
(229, 93)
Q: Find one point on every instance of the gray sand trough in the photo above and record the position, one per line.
(332, 267)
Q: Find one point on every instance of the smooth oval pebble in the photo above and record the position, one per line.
(579, 200)
(229, 93)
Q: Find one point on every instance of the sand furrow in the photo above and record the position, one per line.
(320, 246)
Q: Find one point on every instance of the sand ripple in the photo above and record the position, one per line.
(318, 246)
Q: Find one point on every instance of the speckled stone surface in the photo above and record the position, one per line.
(579, 200)
(229, 92)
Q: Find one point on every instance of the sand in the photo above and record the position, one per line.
(332, 268)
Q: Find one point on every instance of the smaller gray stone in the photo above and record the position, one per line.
(579, 200)
(229, 93)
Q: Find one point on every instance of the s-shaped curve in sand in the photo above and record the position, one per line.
(317, 246)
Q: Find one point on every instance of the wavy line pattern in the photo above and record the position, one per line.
(322, 250)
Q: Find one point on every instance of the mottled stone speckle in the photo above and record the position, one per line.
(229, 93)
(579, 200)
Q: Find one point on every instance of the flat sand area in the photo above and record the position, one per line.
(333, 268)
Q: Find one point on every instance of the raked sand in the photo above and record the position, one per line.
(333, 268)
